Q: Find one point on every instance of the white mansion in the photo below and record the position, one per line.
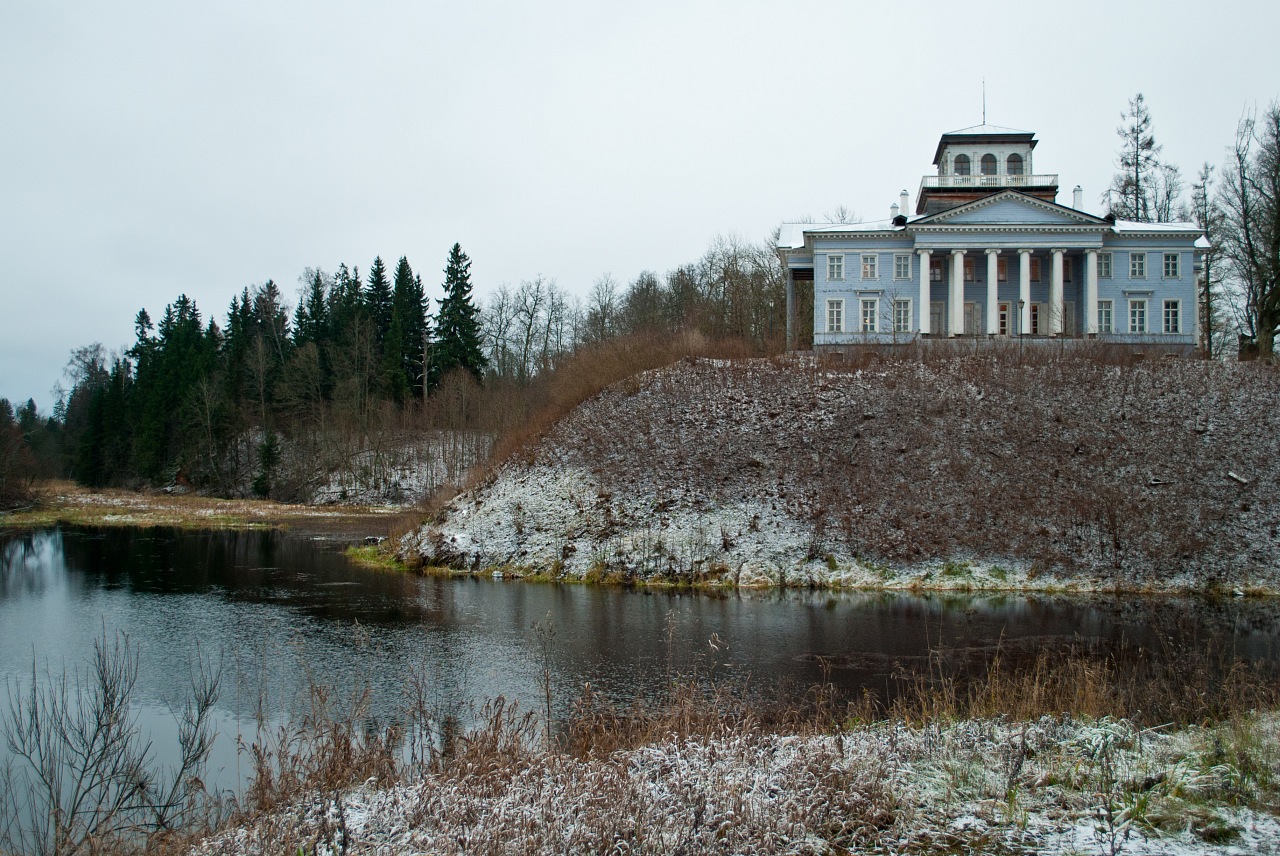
(989, 252)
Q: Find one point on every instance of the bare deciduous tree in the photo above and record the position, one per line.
(1249, 197)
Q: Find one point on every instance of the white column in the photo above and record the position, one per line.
(925, 296)
(1024, 291)
(993, 277)
(1055, 294)
(1091, 292)
(955, 300)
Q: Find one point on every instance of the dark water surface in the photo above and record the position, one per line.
(281, 613)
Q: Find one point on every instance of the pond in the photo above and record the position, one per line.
(281, 613)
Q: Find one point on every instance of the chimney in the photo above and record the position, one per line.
(903, 207)
(893, 211)
(1077, 198)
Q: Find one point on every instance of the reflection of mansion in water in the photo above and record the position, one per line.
(989, 252)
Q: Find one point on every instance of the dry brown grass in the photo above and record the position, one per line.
(553, 395)
(701, 748)
(69, 503)
(1146, 687)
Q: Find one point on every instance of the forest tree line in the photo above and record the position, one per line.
(275, 398)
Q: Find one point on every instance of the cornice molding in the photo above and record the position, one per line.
(1023, 199)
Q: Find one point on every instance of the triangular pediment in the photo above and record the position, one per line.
(1010, 208)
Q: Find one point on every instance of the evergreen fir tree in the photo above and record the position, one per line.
(311, 319)
(458, 324)
(377, 300)
(403, 349)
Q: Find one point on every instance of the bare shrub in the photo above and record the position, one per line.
(82, 778)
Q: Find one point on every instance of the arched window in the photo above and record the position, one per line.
(962, 164)
(1014, 166)
(988, 164)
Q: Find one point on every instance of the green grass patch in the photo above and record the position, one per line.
(377, 556)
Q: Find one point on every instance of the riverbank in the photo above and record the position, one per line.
(67, 503)
(991, 471)
(1054, 785)
(1037, 758)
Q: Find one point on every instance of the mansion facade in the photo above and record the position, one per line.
(989, 252)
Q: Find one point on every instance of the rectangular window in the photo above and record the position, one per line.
(902, 266)
(835, 267)
(1104, 265)
(969, 269)
(1137, 265)
(869, 270)
(935, 270)
(1104, 317)
(1171, 268)
(1066, 269)
(835, 316)
(1173, 316)
(1137, 316)
(1002, 270)
(902, 316)
(870, 308)
(1035, 270)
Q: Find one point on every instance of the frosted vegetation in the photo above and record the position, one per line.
(982, 471)
(1054, 785)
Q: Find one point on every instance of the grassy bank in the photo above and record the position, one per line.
(67, 503)
(931, 578)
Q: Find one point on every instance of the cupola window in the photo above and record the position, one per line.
(988, 164)
(962, 164)
(1014, 165)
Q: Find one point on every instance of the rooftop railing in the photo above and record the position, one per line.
(949, 181)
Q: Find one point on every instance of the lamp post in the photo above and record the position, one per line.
(1021, 331)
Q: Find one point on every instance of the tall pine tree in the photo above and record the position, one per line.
(377, 300)
(403, 348)
(458, 325)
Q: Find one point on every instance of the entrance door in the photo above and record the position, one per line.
(1003, 311)
(937, 318)
(972, 319)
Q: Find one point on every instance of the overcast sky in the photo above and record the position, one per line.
(149, 149)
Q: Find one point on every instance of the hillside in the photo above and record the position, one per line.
(987, 470)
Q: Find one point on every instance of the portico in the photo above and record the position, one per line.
(1051, 291)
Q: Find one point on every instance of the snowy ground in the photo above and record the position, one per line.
(1054, 786)
(405, 470)
(964, 473)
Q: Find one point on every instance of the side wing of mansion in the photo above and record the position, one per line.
(989, 252)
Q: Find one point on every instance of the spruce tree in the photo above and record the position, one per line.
(458, 324)
(312, 317)
(403, 350)
(377, 300)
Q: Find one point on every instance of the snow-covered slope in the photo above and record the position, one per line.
(983, 471)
